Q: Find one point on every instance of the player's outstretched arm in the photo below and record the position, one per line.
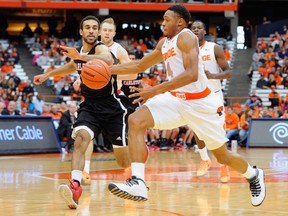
(61, 71)
(141, 65)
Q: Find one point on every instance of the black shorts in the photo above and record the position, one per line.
(107, 116)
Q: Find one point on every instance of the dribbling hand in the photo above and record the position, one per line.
(70, 52)
(76, 84)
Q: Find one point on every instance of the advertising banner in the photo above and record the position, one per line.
(31, 134)
(268, 132)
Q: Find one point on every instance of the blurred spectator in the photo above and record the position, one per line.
(37, 46)
(254, 100)
(46, 111)
(2, 107)
(55, 112)
(274, 97)
(227, 54)
(28, 89)
(66, 122)
(27, 32)
(232, 124)
(139, 53)
(43, 59)
(261, 83)
(285, 82)
(39, 30)
(31, 106)
(7, 67)
(24, 101)
(66, 89)
(13, 81)
(265, 20)
(23, 111)
(39, 104)
(11, 109)
(244, 125)
(248, 32)
(271, 81)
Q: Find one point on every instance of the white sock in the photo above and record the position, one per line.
(87, 166)
(76, 175)
(204, 154)
(250, 172)
(138, 170)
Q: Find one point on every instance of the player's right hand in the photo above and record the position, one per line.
(39, 79)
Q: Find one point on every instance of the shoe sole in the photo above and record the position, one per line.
(67, 196)
(264, 191)
(124, 195)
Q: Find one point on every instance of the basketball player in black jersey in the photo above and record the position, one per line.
(100, 111)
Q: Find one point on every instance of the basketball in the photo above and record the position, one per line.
(95, 74)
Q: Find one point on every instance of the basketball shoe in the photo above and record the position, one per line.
(86, 179)
(71, 194)
(203, 167)
(257, 188)
(224, 174)
(134, 189)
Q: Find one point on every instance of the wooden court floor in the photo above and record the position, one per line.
(28, 186)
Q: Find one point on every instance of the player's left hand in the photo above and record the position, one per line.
(208, 74)
(70, 52)
(143, 94)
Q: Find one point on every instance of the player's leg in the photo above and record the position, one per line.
(122, 156)
(86, 179)
(209, 128)
(135, 189)
(72, 193)
(254, 176)
(156, 115)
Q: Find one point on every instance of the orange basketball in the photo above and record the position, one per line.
(95, 74)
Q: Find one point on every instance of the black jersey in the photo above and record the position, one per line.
(92, 94)
(126, 84)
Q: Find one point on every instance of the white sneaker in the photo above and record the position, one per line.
(257, 188)
(134, 189)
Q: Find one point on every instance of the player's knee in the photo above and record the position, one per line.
(135, 122)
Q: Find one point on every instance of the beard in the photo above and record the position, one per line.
(88, 41)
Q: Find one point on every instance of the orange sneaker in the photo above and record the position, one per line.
(224, 174)
(86, 179)
(70, 194)
(203, 168)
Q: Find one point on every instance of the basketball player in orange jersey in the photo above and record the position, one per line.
(183, 99)
(216, 69)
(100, 110)
(108, 32)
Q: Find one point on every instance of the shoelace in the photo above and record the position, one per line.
(255, 187)
(134, 181)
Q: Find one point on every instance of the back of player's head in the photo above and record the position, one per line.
(89, 17)
(181, 11)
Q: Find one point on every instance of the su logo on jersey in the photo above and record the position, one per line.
(169, 53)
(206, 57)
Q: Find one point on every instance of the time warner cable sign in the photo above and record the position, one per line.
(31, 134)
(268, 132)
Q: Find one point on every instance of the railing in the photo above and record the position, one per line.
(230, 5)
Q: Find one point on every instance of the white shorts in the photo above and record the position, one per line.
(201, 115)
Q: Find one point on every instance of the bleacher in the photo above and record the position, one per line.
(263, 93)
(17, 67)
